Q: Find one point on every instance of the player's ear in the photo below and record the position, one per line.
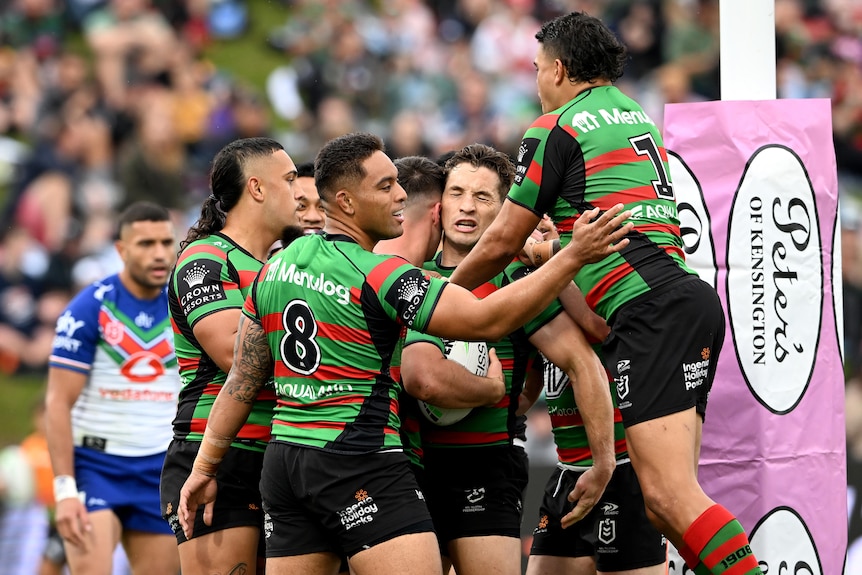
(344, 201)
(435, 214)
(254, 188)
(560, 73)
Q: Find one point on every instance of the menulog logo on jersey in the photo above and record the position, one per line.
(775, 277)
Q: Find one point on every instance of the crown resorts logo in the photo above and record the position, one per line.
(411, 289)
(195, 276)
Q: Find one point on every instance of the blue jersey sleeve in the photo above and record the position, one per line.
(77, 333)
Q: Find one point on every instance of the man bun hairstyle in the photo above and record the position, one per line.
(227, 181)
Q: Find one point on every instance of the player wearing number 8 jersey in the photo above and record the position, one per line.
(595, 147)
(327, 317)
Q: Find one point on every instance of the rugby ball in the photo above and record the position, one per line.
(474, 356)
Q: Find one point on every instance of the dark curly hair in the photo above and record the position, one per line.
(585, 46)
(482, 156)
(339, 162)
(227, 180)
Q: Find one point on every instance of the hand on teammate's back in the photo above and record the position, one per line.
(594, 238)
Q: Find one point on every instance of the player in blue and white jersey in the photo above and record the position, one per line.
(112, 388)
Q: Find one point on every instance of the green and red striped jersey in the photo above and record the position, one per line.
(570, 435)
(497, 424)
(335, 316)
(598, 150)
(212, 274)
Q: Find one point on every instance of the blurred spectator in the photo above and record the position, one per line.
(132, 43)
(33, 25)
(153, 167)
(26, 310)
(692, 42)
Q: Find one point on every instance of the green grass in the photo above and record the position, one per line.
(248, 58)
(19, 394)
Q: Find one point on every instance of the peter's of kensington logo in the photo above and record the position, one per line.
(775, 277)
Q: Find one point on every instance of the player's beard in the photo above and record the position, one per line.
(290, 233)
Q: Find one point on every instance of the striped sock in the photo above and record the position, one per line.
(693, 561)
(719, 541)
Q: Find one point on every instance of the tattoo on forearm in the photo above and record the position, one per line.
(239, 569)
(252, 362)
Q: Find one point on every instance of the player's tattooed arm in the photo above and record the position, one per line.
(252, 362)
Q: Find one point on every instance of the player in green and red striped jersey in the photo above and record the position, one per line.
(327, 317)
(423, 181)
(592, 148)
(477, 468)
(616, 536)
(252, 202)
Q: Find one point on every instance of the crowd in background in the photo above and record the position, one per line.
(104, 102)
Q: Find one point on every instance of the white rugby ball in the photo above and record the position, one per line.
(474, 356)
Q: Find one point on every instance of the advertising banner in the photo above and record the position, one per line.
(757, 194)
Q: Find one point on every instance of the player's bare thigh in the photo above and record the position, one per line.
(486, 555)
(411, 554)
(230, 551)
(95, 557)
(552, 565)
(151, 553)
(309, 564)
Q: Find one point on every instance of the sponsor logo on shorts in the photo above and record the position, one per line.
(610, 509)
(475, 500)
(694, 373)
(359, 513)
(607, 531)
(475, 495)
(623, 365)
(267, 525)
(542, 526)
(174, 522)
(622, 383)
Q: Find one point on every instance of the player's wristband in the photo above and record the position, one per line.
(65, 487)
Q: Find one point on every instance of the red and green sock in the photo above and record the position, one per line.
(716, 544)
